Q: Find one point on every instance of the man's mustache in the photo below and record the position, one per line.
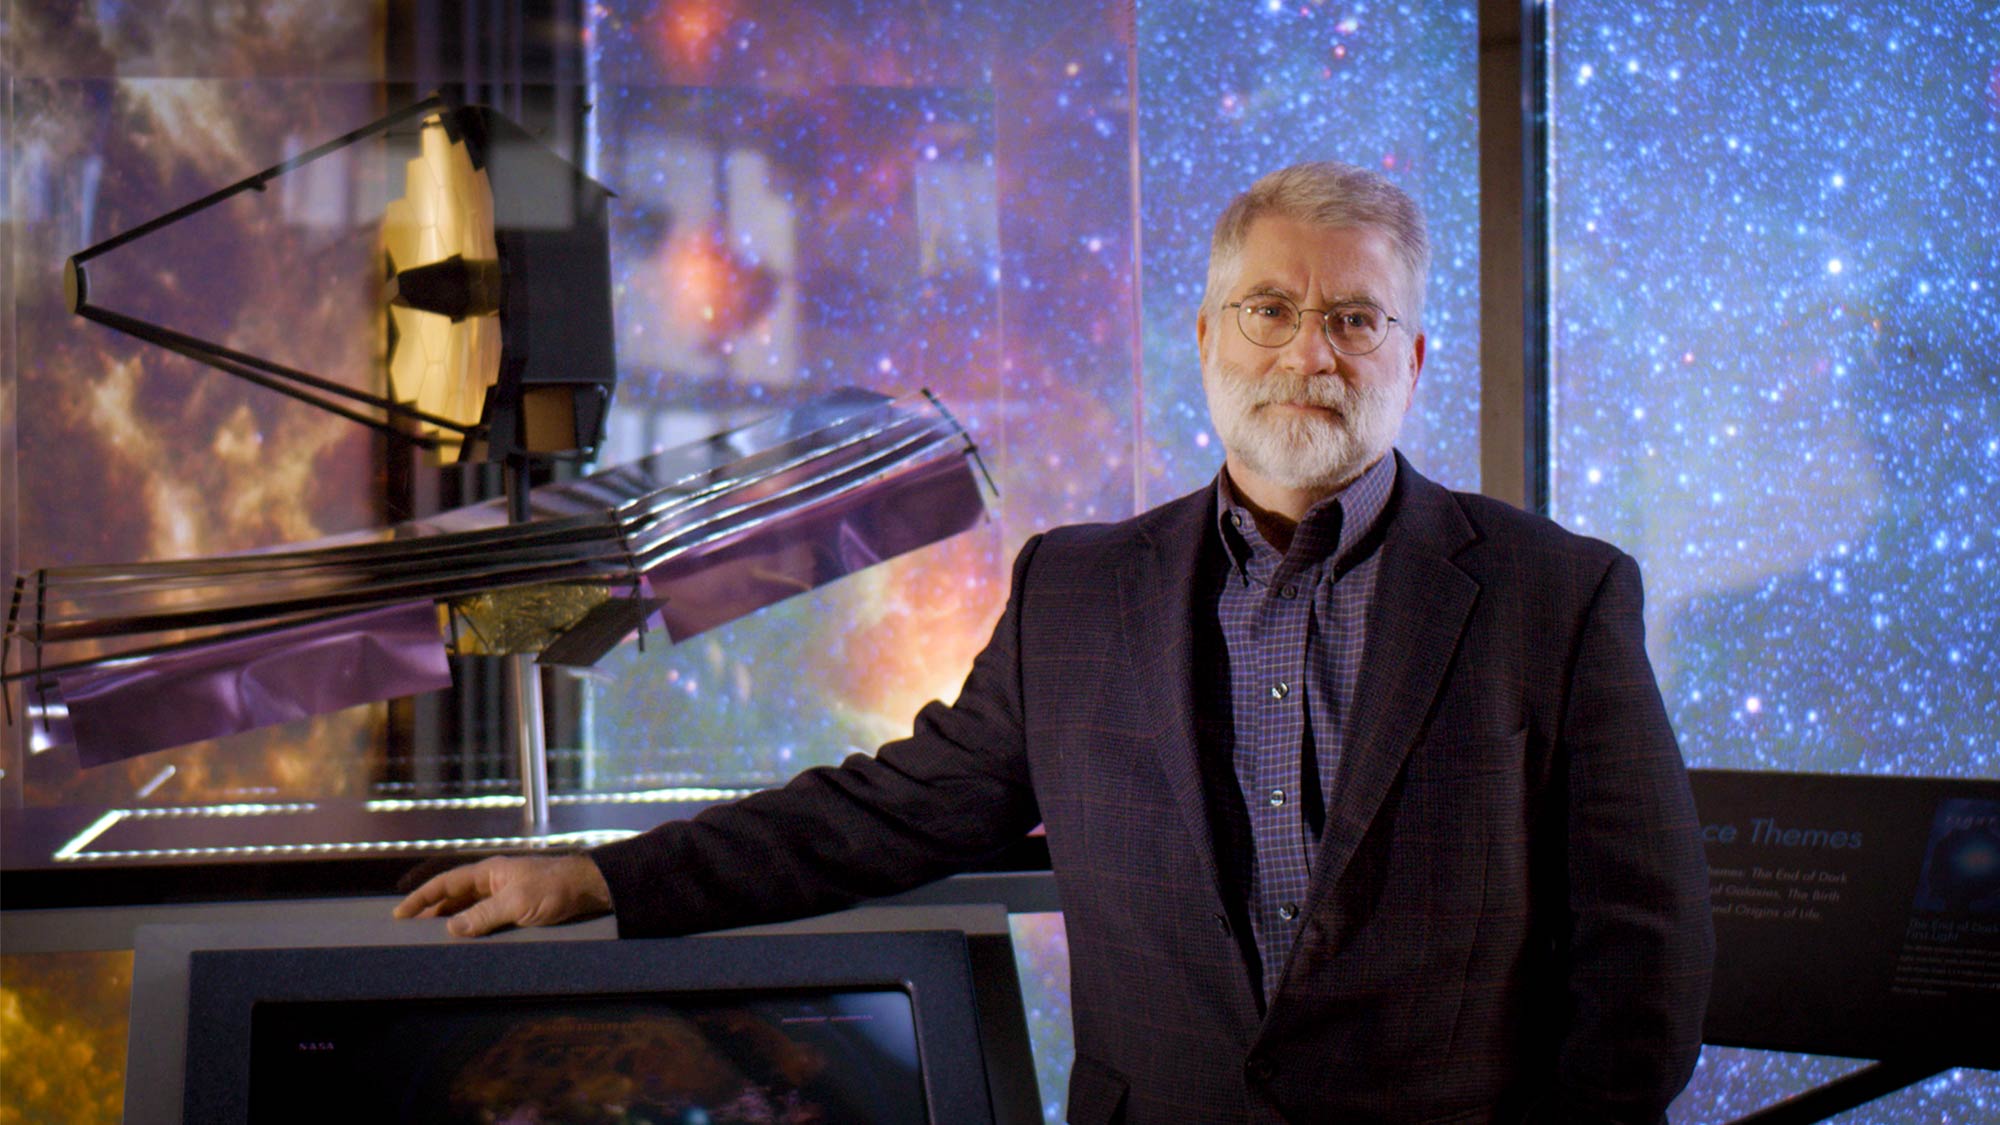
(1323, 392)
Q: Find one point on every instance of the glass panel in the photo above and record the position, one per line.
(774, 239)
(123, 451)
(1774, 268)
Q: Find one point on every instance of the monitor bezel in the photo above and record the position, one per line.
(932, 966)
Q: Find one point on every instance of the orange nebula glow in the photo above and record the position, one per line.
(929, 613)
(63, 1021)
(688, 33)
(717, 293)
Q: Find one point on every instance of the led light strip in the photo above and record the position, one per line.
(568, 839)
(639, 797)
(242, 809)
(654, 796)
(83, 839)
(413, 804)
(72, 850)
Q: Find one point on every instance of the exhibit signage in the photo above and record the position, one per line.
(1854, 916)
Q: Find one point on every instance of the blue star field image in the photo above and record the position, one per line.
(1776, 326)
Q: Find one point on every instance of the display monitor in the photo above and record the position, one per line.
(830, 1028)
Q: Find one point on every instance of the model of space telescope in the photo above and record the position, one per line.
(497, 298)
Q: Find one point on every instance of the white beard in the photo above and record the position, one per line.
(1302, 451)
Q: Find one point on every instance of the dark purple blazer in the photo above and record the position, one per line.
(1509, 915)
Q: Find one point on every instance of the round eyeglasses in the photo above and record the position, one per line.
(1352, 327)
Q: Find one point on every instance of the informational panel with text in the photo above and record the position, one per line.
(1854, 915)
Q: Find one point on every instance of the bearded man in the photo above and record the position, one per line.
(1361, 799)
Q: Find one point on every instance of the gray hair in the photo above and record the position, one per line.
(1325, 194)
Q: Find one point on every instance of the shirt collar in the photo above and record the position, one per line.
(1330, 530)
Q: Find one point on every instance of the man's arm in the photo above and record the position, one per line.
(1640, 942)
(953, 793)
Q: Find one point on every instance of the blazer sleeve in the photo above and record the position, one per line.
(955, 792)
(1640, 942)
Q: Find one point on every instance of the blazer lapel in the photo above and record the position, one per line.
(1156, 592)
(1421, 603)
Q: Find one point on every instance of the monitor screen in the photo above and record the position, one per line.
(822, 1028)
(829, 1057)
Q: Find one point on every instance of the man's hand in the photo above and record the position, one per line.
(511, 891)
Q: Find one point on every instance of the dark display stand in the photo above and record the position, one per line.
(1854, 916)
(339, 944)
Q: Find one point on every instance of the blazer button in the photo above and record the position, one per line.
(1259, 1068)
(1221, 924)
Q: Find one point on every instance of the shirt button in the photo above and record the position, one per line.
(1288, 912)
(1236, 518)
(1290, 591)
(1277, 797)
(1280, 690)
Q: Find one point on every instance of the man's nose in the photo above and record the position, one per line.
(1310, 349)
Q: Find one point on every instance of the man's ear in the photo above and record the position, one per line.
(1416, 368)
(1201, 331)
